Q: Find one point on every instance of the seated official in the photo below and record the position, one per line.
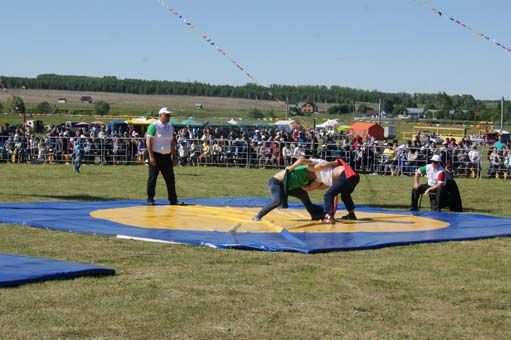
(449, 195)
(434, 172)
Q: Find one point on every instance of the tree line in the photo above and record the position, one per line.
(344, 97)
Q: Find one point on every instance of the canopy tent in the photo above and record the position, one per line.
(82, 124)
(117, 122)
(190, 122)
(502, 132)
(141, 121)
(286, 124)
(262, 123)
(256, 124)
(495, 134)
(140, 124)
(222, 124)
(239, 124)
(330, 123)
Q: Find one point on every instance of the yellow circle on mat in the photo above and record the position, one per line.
(224, 219)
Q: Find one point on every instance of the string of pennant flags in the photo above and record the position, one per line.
(462, 24)
(209, 40)
(213, 44)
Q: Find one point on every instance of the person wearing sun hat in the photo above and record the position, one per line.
(434, 172)
(161, 147)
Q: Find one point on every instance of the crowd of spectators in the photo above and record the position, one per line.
(20, 145)
(258, 147)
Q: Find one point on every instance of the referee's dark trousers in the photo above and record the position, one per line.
(163, 164)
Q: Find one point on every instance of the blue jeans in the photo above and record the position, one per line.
(276, 189)
(77, 162)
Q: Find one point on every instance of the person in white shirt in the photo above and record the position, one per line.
(161, 146)
(435, 174)
(339, 178)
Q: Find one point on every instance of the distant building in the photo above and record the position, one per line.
(62, 100)
(86, 99)
(365, 130)
(414, 112)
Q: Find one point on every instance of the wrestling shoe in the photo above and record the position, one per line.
(176, 203)
(317, 217)
(150, 201)
(256, 218)
(328, 219)
(350, 216)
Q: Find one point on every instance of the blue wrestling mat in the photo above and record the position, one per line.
(18, 270)
(227, 223)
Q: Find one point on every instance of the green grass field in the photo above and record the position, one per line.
(447, 290)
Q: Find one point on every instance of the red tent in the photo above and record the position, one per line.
(366, 129)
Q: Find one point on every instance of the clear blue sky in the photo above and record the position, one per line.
(392, 46)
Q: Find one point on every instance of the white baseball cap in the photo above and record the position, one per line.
(436, 158)
(165, 111)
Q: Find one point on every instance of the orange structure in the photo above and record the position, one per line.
(364, 130)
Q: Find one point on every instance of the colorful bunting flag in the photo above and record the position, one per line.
(207, 39)
(461, 24)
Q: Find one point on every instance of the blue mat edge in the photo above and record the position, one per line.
(259, 247)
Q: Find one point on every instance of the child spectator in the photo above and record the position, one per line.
(77, 155)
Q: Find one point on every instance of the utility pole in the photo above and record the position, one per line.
(509, 123)
(379, 112)
(287, 106)
(502, 114)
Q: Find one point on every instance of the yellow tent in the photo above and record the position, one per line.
(141, 121)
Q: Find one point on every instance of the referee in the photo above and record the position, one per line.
(161, 146)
